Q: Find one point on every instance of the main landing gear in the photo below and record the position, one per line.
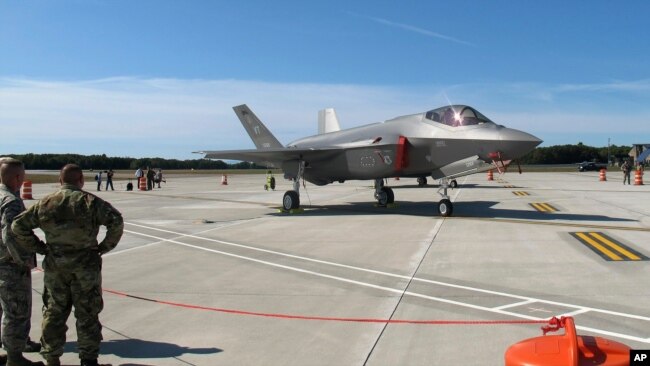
(291, 199)
(383, 195)
(445, 207)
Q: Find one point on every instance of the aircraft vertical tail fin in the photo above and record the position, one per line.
(327, 121)
(261, 136)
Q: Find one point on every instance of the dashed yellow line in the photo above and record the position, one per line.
(520, 193)
(543, 207)
(598, 246)
(608, 248)
(616, 247)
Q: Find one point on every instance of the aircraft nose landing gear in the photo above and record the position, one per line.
(445, 207)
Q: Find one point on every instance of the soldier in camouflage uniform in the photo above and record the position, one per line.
(16, 265)
(70, 219)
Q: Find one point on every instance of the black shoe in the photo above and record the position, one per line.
(19, 360)
(3, 359)
(31, 346)
(93, 363)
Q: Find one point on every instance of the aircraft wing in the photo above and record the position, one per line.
(273, 156)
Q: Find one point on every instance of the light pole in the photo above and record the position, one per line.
(609, 161)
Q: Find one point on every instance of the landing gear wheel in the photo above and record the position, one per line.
(272, 183)
(391, 195)
(291, 200)
(445, 208)
(385, 196)
(382, 198)
(266, 187)
(422, 181)
(453, 183)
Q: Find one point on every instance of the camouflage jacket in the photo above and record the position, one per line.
(11, 206)
(70, 219)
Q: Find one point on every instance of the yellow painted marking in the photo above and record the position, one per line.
(520, 193)
(596, 245)
(548, 207)
(538, 207)
(615, 246)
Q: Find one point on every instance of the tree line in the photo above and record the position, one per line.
(569, 154)
(558, 154)
(103, 162)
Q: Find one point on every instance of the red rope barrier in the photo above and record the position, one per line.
(335, 319)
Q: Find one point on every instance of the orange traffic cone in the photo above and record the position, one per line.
(27, 190)
(143, 184)
(490, 176)
(603, 175)
(224, 180)
(638, 177)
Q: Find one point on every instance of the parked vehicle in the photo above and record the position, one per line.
(586, 165)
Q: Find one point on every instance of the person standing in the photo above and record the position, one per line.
(627, 169)
(16, 265)
(150, 177)
(70, 219)
(139, 174)
(159, 177)
(109, 179)
(98, 178)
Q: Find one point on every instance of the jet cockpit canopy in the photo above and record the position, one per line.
(457, 115)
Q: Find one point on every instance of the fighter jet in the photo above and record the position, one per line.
(443, 143)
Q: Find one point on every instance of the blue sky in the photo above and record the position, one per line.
(159, 78)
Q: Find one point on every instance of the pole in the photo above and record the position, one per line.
(609, 161)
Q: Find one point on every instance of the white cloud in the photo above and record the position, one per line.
(127, 116)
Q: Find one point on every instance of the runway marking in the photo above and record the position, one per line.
(607, 247)
(509, 186)
(401, 291)
(520, 193)
(554, 223)
(543, 207)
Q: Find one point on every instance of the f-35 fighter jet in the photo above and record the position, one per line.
(444, 143)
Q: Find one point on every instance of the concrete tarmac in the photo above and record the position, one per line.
(211, 274)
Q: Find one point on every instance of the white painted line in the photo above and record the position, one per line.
(577, 312)
(382, 288)
(474, 289)
(529, 301)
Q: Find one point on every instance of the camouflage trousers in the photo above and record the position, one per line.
(16, 302)
(65, 288)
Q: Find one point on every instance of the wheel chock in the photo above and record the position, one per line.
(569, 349)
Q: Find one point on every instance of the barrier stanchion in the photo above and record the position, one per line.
(569, 349)
(490, 175)
(27, 190)
(603, 175)
(142, 183)
(638, 178)
(224, 180)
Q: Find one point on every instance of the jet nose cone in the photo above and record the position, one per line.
(515, 143)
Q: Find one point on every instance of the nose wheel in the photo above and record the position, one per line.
(445, 207)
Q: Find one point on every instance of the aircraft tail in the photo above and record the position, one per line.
(261, 136)
(327, 121)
